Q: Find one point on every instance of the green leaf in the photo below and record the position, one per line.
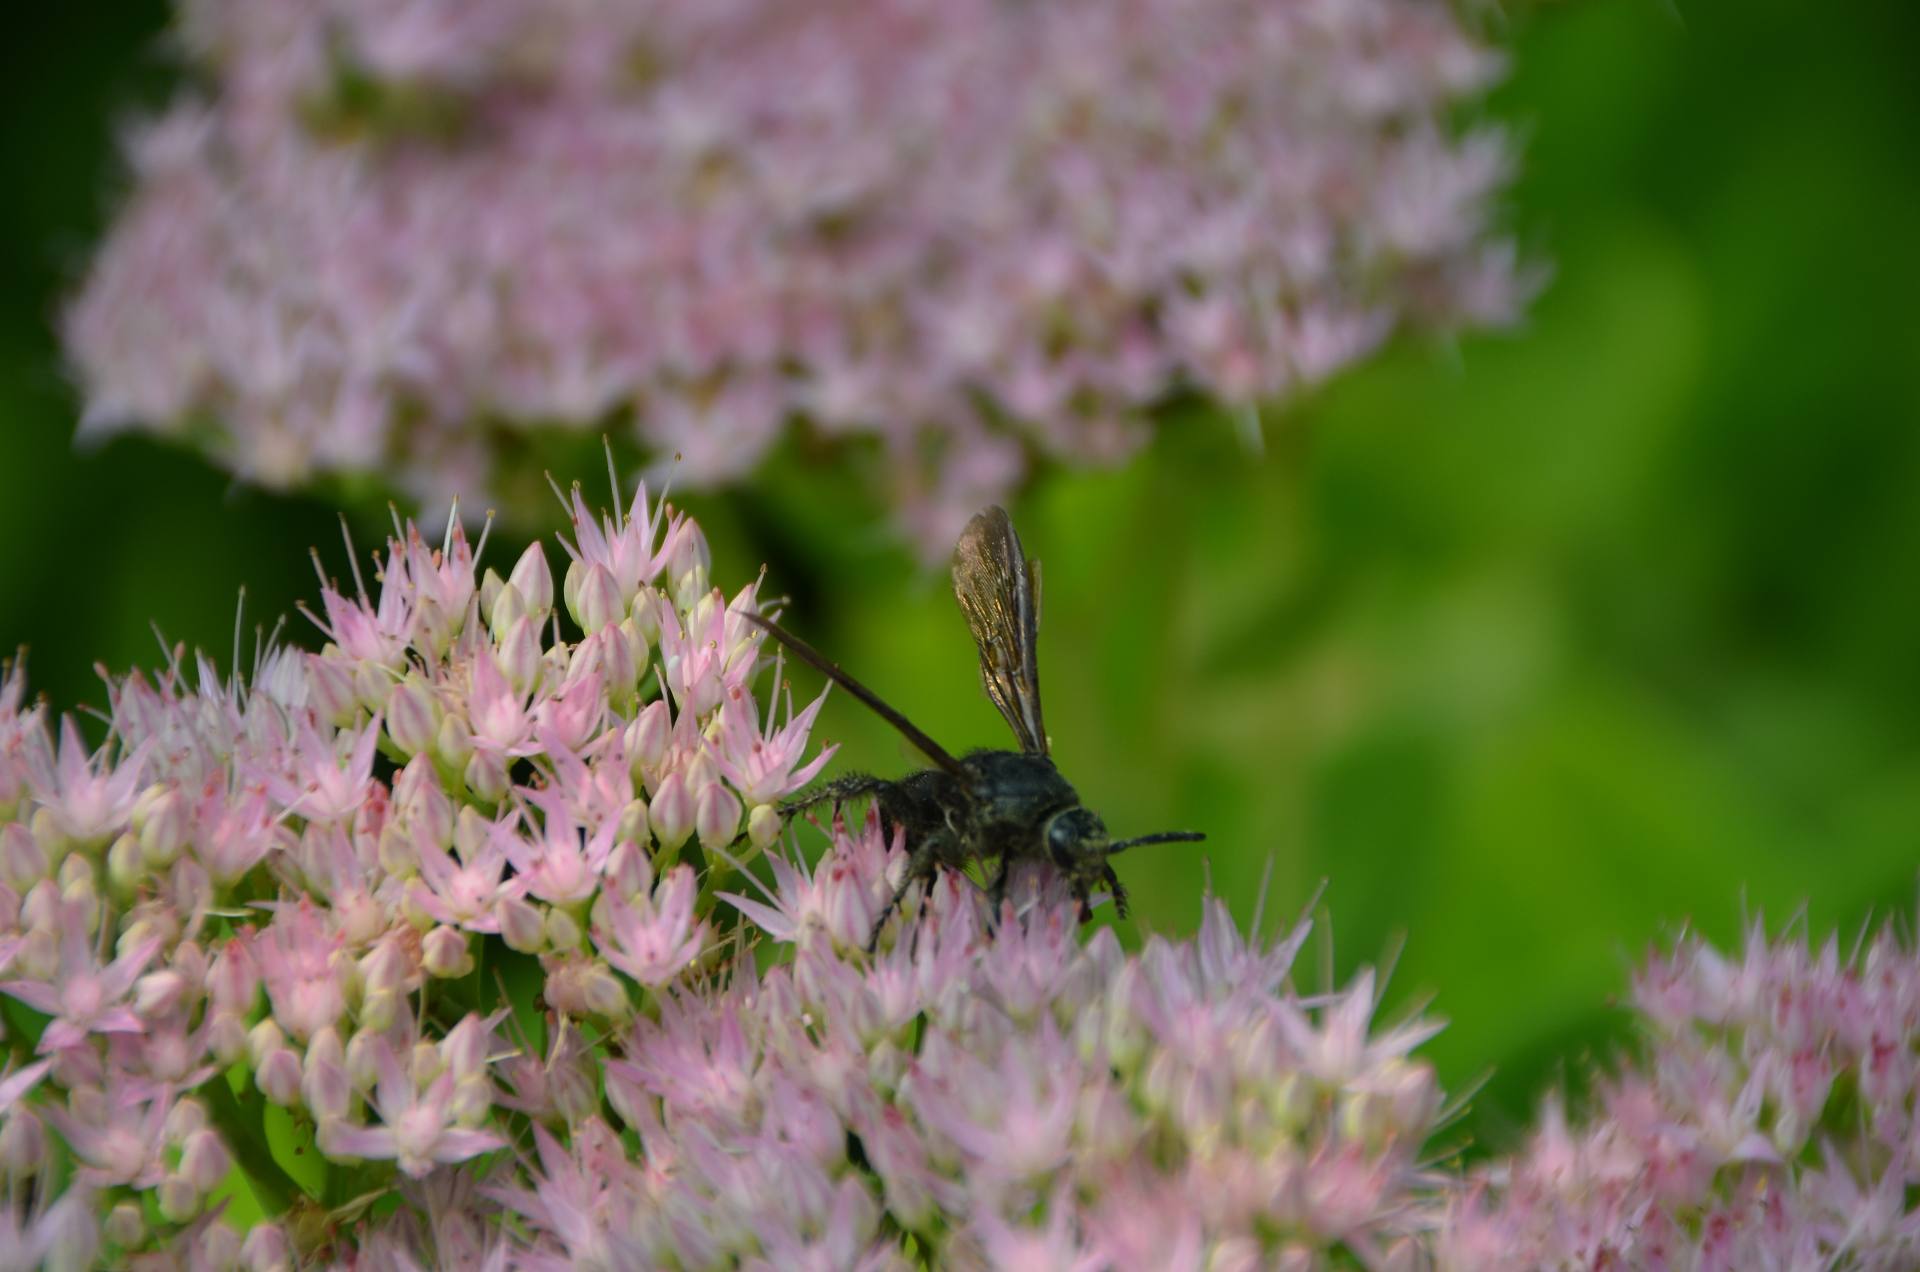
(242, 1128)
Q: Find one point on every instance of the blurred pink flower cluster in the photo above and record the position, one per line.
(1770, 1123)
(387, 236)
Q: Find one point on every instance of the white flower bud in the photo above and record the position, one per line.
(690, 565)
(371, 685)
(218, 1247)
(158, 993)
(162, 819)
(125, 1225)
(330, 687)
(23, 1144)
(263, 1040)
(532, 580)
(419, 799)
(434, 627)
(646, 613)
(508, 608)
(627, 873)
(266, 1250)
(633, 823)
(716, 815)
(764, 825)
(648, 737)
(563, 930)
(204, 1161)
(379, 1009)
(570, 588)
(363, 1059)
(671, 813)
(605, 995)
(75, 874)
(23, 862)
(125, 866)
(472, 1101)
(490, 585)
(278, 1076)
(323, 1078)
(413, 715)
(521, 925)
(519, 656)
(600, 603)
(638, 649)
(454, 745)
(486, 775)
(227, 1037)
(445, 953)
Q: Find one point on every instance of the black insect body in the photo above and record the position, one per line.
(1005, 806)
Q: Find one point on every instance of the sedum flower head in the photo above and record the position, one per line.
(294, 892)
(971, 230)
(1767, 1122)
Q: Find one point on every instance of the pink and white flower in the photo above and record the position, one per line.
(417, 1131)
(85, 996)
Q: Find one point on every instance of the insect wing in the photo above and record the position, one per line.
(999, 592)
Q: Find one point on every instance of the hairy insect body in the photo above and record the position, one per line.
(1015, 807)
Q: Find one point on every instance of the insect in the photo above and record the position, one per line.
(1009, 806)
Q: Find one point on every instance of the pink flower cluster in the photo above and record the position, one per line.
(292, 892)
(990, 1093)
(1772, 1123)
(386, 232)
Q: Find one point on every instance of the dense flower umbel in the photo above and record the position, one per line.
(969, 229)
(234, 902)
(1769, 1123)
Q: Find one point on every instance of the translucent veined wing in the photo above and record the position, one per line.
(999, 592)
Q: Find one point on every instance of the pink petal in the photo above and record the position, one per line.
(457, 1146)
(38, 995)
(358, 1141)
(770, 920)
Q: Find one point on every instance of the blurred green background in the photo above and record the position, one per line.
(1530, 648)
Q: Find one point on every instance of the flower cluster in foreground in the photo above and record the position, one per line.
(380, 235)
(1771, 1123)
(300, 893)
(470, 942)
(444, 944)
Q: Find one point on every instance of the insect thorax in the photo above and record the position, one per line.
(1013, 795)
(1003, 811)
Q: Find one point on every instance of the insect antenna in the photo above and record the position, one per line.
(818, 661)
(1160, 837)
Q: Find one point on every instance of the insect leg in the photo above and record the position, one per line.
(997, 890)
(836, 792)
(1119, 894)
(922, 866)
